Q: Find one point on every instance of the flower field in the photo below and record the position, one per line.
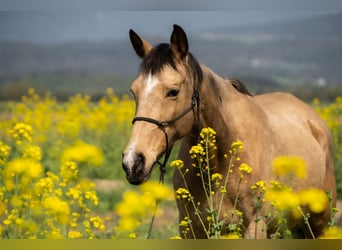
(52, 154)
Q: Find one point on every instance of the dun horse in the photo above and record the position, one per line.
(174, 93)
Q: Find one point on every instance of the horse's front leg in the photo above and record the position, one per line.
(256, 230)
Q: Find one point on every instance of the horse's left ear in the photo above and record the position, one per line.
(179, 42)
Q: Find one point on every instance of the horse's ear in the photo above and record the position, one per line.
(141, 47)
(179, 42)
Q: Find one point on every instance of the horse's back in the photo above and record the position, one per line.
(286, 107)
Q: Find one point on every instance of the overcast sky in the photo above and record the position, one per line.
(59, 26)
(178, 5)
(65, 20)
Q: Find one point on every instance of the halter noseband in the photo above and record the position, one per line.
(195, 100)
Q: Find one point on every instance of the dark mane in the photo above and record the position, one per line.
(239, 85)
(162, 55)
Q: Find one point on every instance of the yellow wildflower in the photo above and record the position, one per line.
(127, 224)
(134, 204)
(32, 152)
(232, 236)
(196, 150)
(244, 168)
(83, 152)
(55, 206)
(332, 233)
(21, 132)
(216, 177)
(97, 223)
(44, 185)
(16, 201)
(208, 136)
(283, 199)
(207, 133)
(156, 190)
(182, 194)
(177, 164)
(175, 237)
(74, 235)
(69, 171)
(316, 199)
(262, 185)
(92, 196)
(237, 146)
(183, 223)
(132, 236)
(4, 153)
(287, 165)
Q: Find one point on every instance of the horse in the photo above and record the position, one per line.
(175, 94)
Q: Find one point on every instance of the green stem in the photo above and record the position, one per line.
(225, 185)
(194, 205)
(306, 221)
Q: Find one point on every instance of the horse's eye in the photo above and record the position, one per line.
(172, 93)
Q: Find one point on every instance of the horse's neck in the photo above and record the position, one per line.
(230, 113)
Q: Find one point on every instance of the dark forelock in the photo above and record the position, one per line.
(162, 56)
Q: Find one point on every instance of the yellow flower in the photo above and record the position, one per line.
(69, 171)
(157, 190)
(216, 177)
(288, 165)
(182, 194)
(244, 168)
(97, 223)
(127, 224)
(32, 152)
(177, 164)
(23, 170)
(262, 185)
(74, 193)
(316, 199)
(237, 146)
(74, 235)
(44, 185)
(196, 150)
(92, 196)
(283, 199)
(232, 236)
(55, 206)
(16, 201)
(331, 233)
(4, 153)
(83, 152)
(183, 223)
(134, 204)
(21, 132)
(132, 236)
(208, 136)
(207, 133)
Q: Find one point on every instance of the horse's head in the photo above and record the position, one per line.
(164, 94)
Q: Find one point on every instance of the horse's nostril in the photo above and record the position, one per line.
(139, 163)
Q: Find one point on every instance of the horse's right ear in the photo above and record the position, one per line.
(141, 47)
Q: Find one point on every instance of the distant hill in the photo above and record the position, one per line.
(281, 54)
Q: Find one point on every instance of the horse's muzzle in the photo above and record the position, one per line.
(134, 167)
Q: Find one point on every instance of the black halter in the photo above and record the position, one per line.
(195, 100)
